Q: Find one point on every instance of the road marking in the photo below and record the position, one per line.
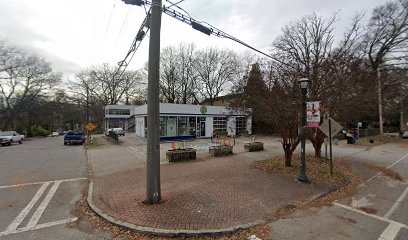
(370, 215)
(390, 232)
(39, 226)
(40, 210)
(396, 204)
(37, 183)
(378, 174)
(399, 160)
(13, 226)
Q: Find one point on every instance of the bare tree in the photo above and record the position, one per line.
(386, 42)
(215, 68)
(169, 74)
(23, 77)
(304, 47)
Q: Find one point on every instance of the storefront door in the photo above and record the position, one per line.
(172, 127)
(202, 127)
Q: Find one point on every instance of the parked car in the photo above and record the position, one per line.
(9, 137)
(73, 137)
(55, 134)
(405, 134)
(118, 131)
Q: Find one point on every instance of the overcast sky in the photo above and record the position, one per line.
(75, 34)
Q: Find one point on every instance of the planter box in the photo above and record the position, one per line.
(254, 146)
(217, 151)
(181, 154)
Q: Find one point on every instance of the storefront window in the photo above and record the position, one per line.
(119, 111)
(163, 126)
(240, 125)
(171, 126)
(192, 126)
(220, 125)
(182, 129)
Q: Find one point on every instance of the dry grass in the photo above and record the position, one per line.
(317, 169)
(261, 231)
(344, 180)
(385, 171)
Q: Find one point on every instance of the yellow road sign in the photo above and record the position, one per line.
(90, 127)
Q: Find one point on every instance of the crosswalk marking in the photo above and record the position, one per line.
(38, 183)
(33, 222)
(13, 226)
(39, 226)
(40, 210)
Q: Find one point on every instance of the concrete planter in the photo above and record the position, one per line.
(217, 151)
(181, 154)
(254, 146)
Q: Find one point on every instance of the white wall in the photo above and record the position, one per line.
(139, 127)
(208, 126)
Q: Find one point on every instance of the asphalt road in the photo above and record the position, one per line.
(40, 182)
(379, 209)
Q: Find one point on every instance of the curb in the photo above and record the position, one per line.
(157, 231)
(163, 232)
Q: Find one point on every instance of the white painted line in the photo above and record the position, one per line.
(40, 210)
(399, 160)
(39, 226)
(396, 204)
(38, 183)
(17, 221)
(390, 232)
(369, 215)
(378, 174)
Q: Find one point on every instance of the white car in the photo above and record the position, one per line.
(55, 134)
(118, 131)
(9, 137)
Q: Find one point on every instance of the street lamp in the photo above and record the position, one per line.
(304, 83)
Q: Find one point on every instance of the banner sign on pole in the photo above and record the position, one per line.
(313, 114)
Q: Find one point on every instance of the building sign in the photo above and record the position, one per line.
(203, 109)
(313, 114)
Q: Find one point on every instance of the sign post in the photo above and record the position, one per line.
(90, 127)
(330, 128)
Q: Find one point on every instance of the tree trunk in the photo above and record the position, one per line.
(318, 149)
(288, 154)
(288, 159)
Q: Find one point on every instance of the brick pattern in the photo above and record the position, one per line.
(203, 194)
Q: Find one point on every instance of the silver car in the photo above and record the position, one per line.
(118, 131)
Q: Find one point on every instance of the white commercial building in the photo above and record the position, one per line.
(178, 121)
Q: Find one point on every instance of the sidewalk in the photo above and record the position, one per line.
(208, 195)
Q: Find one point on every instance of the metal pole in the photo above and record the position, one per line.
(302, 175)
(153, 191)
(330, 143)
(402, 117)
(380, 112)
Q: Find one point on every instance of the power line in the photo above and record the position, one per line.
(143, 30)
(196, 24)
(110, 18)
(123, 24)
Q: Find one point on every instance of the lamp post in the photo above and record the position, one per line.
(304, 82)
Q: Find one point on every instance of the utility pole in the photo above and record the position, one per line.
(380, 113)
(153, 191)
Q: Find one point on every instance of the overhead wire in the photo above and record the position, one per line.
(124, 22)
(209, 30)
(110, 18)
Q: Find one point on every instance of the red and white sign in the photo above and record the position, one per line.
(313, 114)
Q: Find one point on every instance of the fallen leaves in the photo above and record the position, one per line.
(385, 171)
(344, 180)
(262, 231)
